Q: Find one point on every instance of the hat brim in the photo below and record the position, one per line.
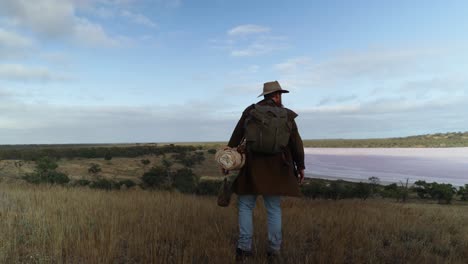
(281, 91)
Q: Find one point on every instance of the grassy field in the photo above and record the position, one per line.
(41, 224)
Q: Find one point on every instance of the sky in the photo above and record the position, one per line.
(113, 71)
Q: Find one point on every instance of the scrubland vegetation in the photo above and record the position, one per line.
(157, 204)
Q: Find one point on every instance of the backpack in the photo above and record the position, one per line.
(267, 129)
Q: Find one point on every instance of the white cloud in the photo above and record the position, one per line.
(250, 40)
(92, 34)
(356, 68)
(17, 72)
(257, 48)
(139, 19)
(13, 44)
(57, 19)
(12, 40)
(46, 17)
(382, 106)
(247, 29)
(292, 65)
(448, 84)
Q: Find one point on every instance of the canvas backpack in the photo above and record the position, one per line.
(267, 129)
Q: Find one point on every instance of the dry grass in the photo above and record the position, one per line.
(40, 224)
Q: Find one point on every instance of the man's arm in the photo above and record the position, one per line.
(297, 151)
(238, 133)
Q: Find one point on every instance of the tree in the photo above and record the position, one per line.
(374, 183)
(463, 192)
(442, 192)
(391, 191)
(422, 189)
(363, 190)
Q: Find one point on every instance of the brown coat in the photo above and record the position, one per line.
(269, 174)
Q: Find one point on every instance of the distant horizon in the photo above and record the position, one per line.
(212, 142)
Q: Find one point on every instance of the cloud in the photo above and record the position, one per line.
(292, 65)
(248, 29)
(383, 118)
(13, 45)
(382, 106)
(46, 17)
(258, 47)
(13, 40)
(92, 34)
(18, 72)
(358, 68)
(337, 99)
(448, 84)
(46, 123)
(56, 19)
(139, 19)
(250, 40)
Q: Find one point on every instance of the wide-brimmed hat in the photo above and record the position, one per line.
(271, 87)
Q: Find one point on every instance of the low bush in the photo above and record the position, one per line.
(156, 177)
(82, 182)
(104, 184)
(209, 187)
(51, 177)
(185, 180)
(128, 183)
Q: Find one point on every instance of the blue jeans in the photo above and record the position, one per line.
(246, 204)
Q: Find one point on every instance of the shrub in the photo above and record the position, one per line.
(209, 187)
(313, 190)
(212, 151)
(45, 173)
(45, 164)
(189, 160)
(442, 192)
(362, 190)
(185, 180)
(82, 182)
(463, 192)
(145, 162)
(128, 183)
(104, 184)
(52, 177)
(156, 177)
(108, 156)
(391, 191)
(94, 168)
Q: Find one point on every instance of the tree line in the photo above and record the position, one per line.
(35, 153)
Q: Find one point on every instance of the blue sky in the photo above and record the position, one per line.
(85, 71)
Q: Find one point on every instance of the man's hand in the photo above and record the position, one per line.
(224, 171)
(301, 176)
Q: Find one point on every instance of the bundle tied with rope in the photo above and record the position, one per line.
(229, 159)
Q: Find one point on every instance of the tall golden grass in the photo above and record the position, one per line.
(43, 224)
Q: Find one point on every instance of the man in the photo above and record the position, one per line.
(271, 175)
